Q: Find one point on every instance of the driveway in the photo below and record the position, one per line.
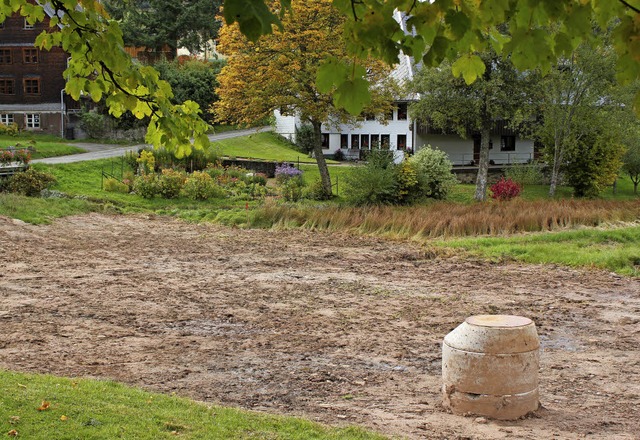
(103, 151)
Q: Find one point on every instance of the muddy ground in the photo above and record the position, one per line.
(336, 328)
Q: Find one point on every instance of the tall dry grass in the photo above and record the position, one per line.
(451, 219)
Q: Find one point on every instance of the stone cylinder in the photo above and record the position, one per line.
(490, 367)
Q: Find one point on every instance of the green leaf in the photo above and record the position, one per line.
(331, 73)
(253, 17)
(469, 66)
(352, 95)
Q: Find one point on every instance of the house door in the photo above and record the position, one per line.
(476, 150)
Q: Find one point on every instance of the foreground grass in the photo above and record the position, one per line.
(617, 250)
(45, 145)
(91, 409)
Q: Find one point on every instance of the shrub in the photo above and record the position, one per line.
(200, 186)
(11, 129)
(94, 124)
(407, 177)
(146, 185)
(292, 189)
(525, 174)
(285, 172)
(434, 175)
(114, 185)
(338, 155)
(305, 138)
(147, 162)
(258, 179)
(505, 189)
(317, 192)
(170, 183)
(30, 182)
(131, 160)
(371, 185)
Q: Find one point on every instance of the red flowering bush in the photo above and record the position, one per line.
(505, 189)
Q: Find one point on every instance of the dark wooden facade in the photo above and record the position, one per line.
(31, 80)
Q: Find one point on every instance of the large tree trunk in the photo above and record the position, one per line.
(483, 165)
(322, 163)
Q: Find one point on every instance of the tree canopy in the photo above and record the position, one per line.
(539, 32)
(174, 23)
(278, 72)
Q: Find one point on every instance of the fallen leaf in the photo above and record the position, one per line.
(14, 419)
(63, 418)
(12, 433)
(45, 405)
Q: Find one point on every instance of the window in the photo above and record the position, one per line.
(32, 86)
(402, 111)
(32, 120)
(7, 87)
(385, 140)
(5, 56)
(389, 115)
(27, 25)
(344, 141)
(29, 56)
(402, 142)
(364, 141)
(6, 119)
(375, 141)
(508, 143)
(325, 140)
(355, 141)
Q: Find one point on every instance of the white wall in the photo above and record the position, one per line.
(460, 151)
(286, 126)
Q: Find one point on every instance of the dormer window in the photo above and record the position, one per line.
(27, 25)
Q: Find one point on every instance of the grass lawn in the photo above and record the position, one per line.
(617, 250)
(43, 407)
(267, 146)
(45, 145)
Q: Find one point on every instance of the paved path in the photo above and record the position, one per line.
(103, 151)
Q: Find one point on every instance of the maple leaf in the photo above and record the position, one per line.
(44, 406)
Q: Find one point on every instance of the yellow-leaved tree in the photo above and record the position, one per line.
(279, 70)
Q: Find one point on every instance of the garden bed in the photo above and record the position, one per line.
(338, 328)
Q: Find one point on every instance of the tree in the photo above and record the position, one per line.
(573, 96)
(100, 68)
(540, 32)
(173, 23)
(192, 80)
(450, 104)
(631, 159)
(278, 72)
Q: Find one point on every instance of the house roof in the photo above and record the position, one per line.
(45, 107)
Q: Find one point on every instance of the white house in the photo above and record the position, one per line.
(400, 133)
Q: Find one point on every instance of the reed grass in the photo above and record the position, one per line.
(443, 219)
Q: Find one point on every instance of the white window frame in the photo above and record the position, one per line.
(28, 26)
(6, 118)
(32, 121)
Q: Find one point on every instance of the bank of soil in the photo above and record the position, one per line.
(337, 328)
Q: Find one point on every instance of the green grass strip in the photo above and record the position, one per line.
(95, 409)
(617, 250)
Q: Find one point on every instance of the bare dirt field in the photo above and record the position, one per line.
(336, 328)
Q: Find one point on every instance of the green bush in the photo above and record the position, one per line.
(317, 192)
(146, 185)
(94, 124)
(170, 183)
(433, 168)
(305, 138)
(30, 182)
(376, 183)
(407, 177)
(525, 173)
(113, 185)
(200, 186)
(11, 129)
(292, 189)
